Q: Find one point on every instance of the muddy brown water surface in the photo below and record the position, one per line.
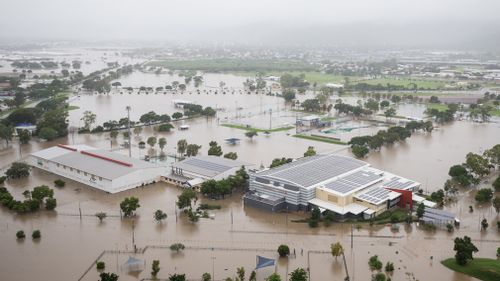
(70, 244)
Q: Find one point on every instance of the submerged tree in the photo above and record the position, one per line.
(162, 142)
(336, 249)
(274, 277)
(240, 271)
(101, 216)
(129, 205)
(108, 276)
(155, 268)
(184, 200)
(159, 215)
(298, 274)
(251, 134)
(182, 146)
(283, 250)
(310, 151)
(18, 170)
(177, 247)
(88, 119)
(206, 277)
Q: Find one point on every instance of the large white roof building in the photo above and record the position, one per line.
(101, 169)
(343, 185)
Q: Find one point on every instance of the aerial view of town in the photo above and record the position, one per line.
(279, 140)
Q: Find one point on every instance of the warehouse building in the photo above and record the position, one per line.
(101, 169)
(193, 171)
(343, 185)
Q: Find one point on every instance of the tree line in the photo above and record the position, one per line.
(361, 146)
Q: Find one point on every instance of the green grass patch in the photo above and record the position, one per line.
(311, 76)
(241, 127)
(322, 139)
(439, 106)
(326, 119)
(391, 216)
(421, 83)
(226, 64)
(72, 107)
(480, 268)
(396, 116)
(495, 112)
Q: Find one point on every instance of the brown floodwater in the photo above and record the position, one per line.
(70, 244)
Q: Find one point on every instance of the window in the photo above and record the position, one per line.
(85, 173)
(78, 171)
(100, 178)
(64, 167)
(58, 165)
(71, 169)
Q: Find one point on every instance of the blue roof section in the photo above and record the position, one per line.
(133, 261)
(24, 125)
(264, 262)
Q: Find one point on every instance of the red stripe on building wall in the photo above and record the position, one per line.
(66, 147)
(107, 158)
(406, 198)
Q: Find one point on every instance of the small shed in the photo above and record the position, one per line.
(134, 265)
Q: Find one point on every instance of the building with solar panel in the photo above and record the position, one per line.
(101, 169)
(193, 171)
(343, 185)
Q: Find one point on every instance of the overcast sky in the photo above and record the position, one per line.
(241, 20)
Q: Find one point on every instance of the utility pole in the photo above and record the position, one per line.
(232, 219)
(129, 134)
(351, 237)
(213, 267)
(345, 265)
(79, 210)
(133, 235)
(270, 118)
(20, 151)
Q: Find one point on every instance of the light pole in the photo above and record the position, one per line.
(213, 267)
(128, 108)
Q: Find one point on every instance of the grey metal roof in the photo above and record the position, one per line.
(309, 171)
(353, 181)
(93, 165)
(375, 195)
(209, 166)
(437, 216)
(438, 212)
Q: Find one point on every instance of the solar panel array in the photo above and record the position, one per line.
(313, 170)
(375, 195)
(295, 163)
(353, 181)
(396, 182)
(206, 165)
